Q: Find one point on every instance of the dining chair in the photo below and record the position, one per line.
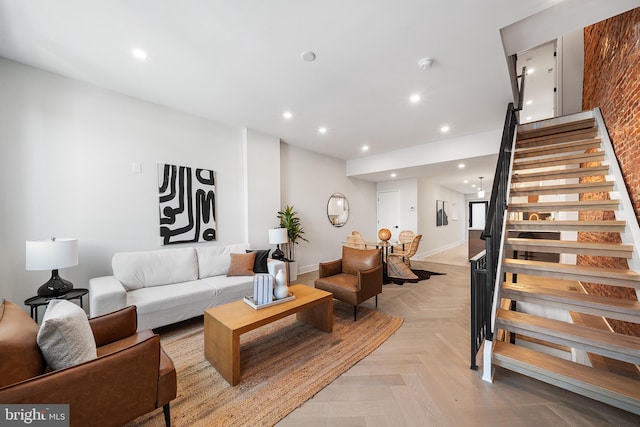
(410, 250)
(404, 238)
(355, 242)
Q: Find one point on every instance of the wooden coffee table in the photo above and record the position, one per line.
(224, 324)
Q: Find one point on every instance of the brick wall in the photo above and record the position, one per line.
(612, 82)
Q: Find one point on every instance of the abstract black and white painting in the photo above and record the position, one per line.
(187, 204)
(442, 218)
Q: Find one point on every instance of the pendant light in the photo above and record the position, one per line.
(481, 191)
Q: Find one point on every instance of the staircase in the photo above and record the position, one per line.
(540, 305)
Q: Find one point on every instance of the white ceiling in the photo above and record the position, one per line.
(238, 62)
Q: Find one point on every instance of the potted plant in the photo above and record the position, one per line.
(289, 220)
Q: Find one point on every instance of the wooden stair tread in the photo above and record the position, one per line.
(569, 246)
(567, 225)
(541, 141)
(628, 370)
(584, 187)
(610, 388)
(595, 156)
(607, 276)
(614, 308)
(578, 205)
(560, 147)
(542, 129)
(617, 346)
(560, 174)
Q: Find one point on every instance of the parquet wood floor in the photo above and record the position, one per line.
(421, 375)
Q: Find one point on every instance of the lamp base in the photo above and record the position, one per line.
(55, 287)
(277, 254)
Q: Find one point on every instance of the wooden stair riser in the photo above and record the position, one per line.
(616, 346)
(611, 308)
(558, 226)
(547, 150)
(580, 188)
(585, 205)
(569, 247)
(614, 390)
(596, 156)
(553, 175)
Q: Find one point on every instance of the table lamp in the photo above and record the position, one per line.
(276, 237)
(51, 255)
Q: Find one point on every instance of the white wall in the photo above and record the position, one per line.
(308, 180)
(66, 170)
(437, 239)
(408, 189)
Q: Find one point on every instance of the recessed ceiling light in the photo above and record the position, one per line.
(393, 175)
(287, 115)
(322, 130)
(466, 181)
(139, 54)
(308, 56)
(414, 98)
(531, 71)
(529, 102)
(461, 165)
(365, 148)
(528, 117)
(473, 185)
(445, 129)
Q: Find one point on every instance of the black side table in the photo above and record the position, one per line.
(37, 301)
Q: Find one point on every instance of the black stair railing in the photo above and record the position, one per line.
(484, 266)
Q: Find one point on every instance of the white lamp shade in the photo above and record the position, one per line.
(278, 235)
(51, 254)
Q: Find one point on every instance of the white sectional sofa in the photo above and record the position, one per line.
(171, 285)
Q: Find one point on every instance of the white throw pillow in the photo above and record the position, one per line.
(65, 337)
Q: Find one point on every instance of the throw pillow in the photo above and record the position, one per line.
(397, 268)
(242, 264)
(260, 264)
(65, 337)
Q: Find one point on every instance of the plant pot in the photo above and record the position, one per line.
(293, 271)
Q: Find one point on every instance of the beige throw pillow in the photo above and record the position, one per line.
(65, 337)
(242, 264)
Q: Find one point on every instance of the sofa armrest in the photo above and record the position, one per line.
(109, 390)
(274, 265)
(330, 268)
(106, 294)
(114, 326)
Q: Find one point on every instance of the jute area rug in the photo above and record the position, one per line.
(283, 365)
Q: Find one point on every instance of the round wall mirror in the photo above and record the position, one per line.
(338, 210)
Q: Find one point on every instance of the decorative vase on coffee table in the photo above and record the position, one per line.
(282, 290)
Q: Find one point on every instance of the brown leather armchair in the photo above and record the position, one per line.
(354, 278)
(131, 376)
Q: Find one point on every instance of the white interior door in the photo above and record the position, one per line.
(477, 215)
(389, 212)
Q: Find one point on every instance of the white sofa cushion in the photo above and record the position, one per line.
(143, 269)
(215, 260)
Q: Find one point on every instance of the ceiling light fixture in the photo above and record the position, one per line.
(461, 165)
(445, 129)
(139, 54)
(481, 191)
(287, 115)
(393, 175)
(425, 63)
(365, 148)
(322, 130)
(308, 56)
(414, 98)
(529, 102)
(466, 181)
